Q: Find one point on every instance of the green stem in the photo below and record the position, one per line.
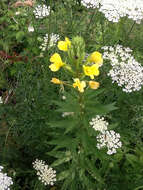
(102, 33)
(49, 28)
(7, 134)
(91, 19)
(131, 29)
(81, 104)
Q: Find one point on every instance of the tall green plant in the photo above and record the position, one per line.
(74, 141)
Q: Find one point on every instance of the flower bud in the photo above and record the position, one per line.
(56, 81)
(94, 85)
(77, 51)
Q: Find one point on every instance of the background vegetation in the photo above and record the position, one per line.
(29, 109)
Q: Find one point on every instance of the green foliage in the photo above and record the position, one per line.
(31, 115)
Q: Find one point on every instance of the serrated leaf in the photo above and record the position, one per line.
(71, 106)
(68, 124)
(66, 142)
(91, 94)
(100, 109)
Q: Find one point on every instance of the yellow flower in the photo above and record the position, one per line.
(91, 70)
(80, 84)
(56, 62)
(56, 81)
(96, 57)
(94, 85)
(64, 45)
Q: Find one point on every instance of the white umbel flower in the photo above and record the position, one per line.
(53, 40)
(114, 10)
(5, 181)
(126, 71)
(109, 139)
(46, 174)
(99, 124)
(41, 11)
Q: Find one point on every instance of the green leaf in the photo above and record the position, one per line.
(90, 166)
(132, 159)
(88, 143)
(56, 154)
(100, 109)
(91, 94)
(66, 142)
(61, 161)
(19, 35)
(67, 106)
(63, 175)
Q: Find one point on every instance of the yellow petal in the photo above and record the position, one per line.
(80, 84)
(56, 62)
(91, 70)
(54, 67)
(95, 69)
(55, 58)
(94, 85)
(96, 57)
(62, 45)
(68, 42)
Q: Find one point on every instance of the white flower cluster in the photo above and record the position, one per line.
(99, 124)
(5, 181)
(46, 174)
(53, 40)
(126, 71)
(109, 139)
(41, 11)
(134, 10)
(114, 10)
(106, 138)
